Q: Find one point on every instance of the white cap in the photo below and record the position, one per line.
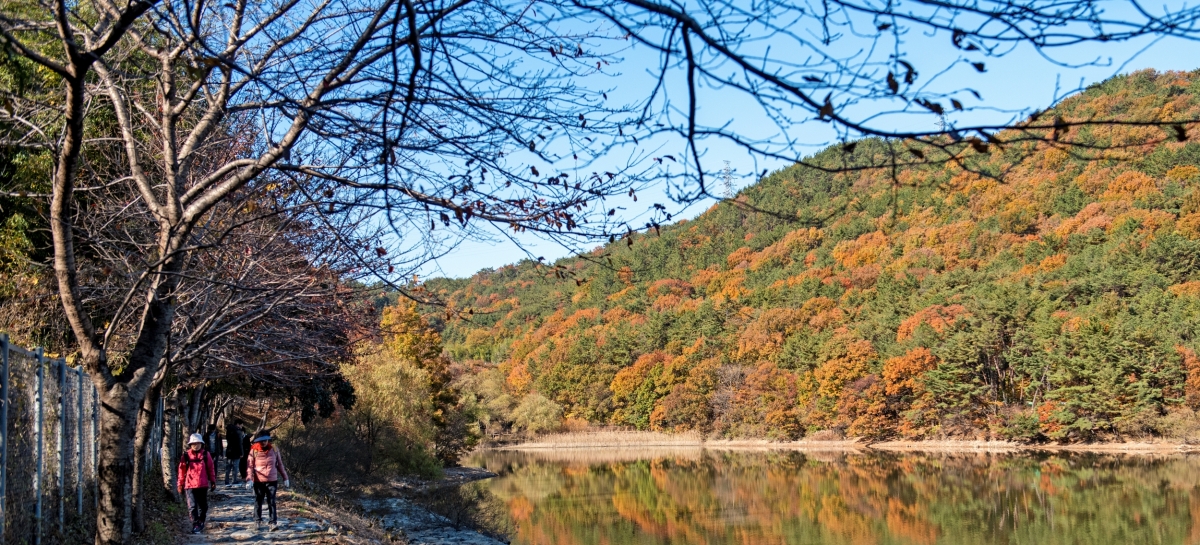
(195, 438)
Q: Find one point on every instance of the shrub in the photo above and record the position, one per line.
(537, 414)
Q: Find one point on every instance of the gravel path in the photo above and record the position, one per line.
(231, 520)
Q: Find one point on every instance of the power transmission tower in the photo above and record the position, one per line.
(727, 176)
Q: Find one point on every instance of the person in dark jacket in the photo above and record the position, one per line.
(233, 449)
(246, 438)
(214, 446)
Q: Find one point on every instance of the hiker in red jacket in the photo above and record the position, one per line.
(265, 469)
(197, 475)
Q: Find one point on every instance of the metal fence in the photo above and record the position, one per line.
(48, 447)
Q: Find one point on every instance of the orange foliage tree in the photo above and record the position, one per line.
(765, 405)
(937, 317)
(847, 359)
(902, 380)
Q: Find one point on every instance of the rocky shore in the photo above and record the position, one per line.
(419, 525)
(654, 440)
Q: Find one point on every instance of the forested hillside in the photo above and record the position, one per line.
(1027, 291)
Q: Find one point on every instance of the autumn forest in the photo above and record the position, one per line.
(1028, 292)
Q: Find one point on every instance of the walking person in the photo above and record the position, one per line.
(197, 475)
(213, 444)
(266, 469)
(245, 455)
(233, 451)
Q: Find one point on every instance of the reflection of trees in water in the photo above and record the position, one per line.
(853, 498)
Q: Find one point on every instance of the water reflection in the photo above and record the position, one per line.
(751, 498)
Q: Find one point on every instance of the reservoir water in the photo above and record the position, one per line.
(693, 496)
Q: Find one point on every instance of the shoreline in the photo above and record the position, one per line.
(417, 523)
(609, 440)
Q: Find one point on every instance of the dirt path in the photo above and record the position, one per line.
(231, 520)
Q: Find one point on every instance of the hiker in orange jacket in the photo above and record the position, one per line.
(265, 470)
(197, 475)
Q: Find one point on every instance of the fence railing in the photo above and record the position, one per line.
(48, 447)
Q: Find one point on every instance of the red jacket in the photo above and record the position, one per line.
(196, 470)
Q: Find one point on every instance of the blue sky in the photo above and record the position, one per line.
(1016, 83)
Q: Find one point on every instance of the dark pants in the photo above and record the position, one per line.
(231, 466)
(197, 499)
(242, 466)
(265, 491)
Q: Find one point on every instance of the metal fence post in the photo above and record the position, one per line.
(62, 443)
(41, 415)
(3, 430)
(145, 454)
(95, 445)
(158, 431)
(79, 445)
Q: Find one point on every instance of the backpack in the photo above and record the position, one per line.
(187, 459)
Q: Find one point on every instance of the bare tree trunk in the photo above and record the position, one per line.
(140, 442)
(122, 400)
(118, 418)
(262, 424)
(222, 411)
(168, 449)
(195, 414)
